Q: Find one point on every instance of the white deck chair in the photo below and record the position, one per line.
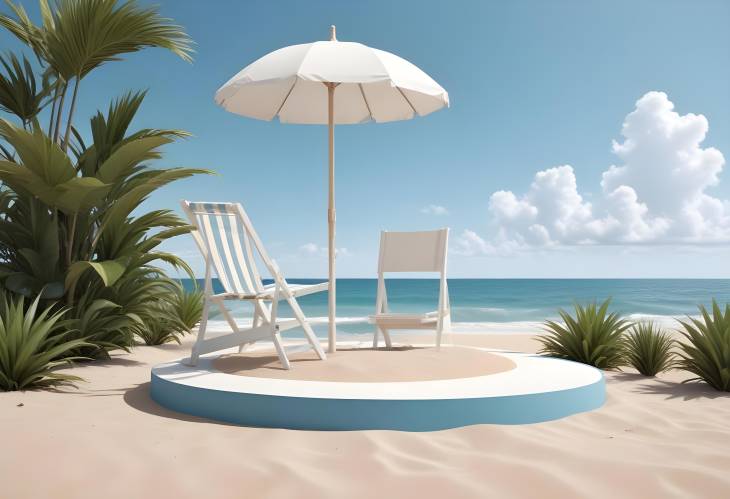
(225, 236)
(412, 252)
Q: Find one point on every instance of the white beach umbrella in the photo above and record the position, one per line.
(331, 83)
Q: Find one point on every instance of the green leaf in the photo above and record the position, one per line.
(37, 153)
(129, 155)
(32, 345)
(88, 34)
(19, 94)
(79, 194)
(109, 271)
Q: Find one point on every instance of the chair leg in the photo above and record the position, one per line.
(308, 331)
(448, 331)
(386, 336)
(195, 352)
(276, 337)
(313, 341)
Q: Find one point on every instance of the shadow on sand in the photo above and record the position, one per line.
(139, 398)
(237, 362)
(672, 389)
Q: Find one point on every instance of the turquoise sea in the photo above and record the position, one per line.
(505, 304)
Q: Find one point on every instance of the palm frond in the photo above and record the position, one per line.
(89, 33)
(19, 93)
(24, 29)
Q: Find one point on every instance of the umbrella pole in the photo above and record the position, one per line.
(332, 333)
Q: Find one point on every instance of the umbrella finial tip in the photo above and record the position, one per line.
(333, 33)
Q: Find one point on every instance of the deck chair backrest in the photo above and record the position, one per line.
(423, 251)
(225, 235)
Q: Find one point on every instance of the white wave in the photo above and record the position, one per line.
(665, 321)
(515, 327)
(339, 320)
(480, 327)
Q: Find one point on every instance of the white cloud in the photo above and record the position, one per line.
(657, 194)
(309, 249)
(312, 249)
(469, 243)
(434, 209)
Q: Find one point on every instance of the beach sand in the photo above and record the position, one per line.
(653, 438)
(363, 365)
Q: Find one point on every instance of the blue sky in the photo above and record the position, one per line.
(533, 85)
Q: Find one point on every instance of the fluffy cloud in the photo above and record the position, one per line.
(656, 194)
(469, 243)
(434, 209)
(312, 249)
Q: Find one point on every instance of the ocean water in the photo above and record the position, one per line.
(502, 304)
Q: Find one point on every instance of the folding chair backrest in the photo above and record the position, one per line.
(225, 235)
(413, 251)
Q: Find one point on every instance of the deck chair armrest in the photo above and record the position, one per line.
(296, 290)
(309, 289)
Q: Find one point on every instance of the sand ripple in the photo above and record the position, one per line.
(653, 438)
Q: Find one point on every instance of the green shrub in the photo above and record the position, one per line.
(32, 346)
(593, 337)
(188, 306)
(175, 313)
(706, 353)
(649, 349)
(159, 331)
(72, 225)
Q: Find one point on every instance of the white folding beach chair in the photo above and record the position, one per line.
(225, 235)
(412, 252)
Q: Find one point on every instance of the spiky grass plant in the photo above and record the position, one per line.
(32, 346)
(188, 306)
(593, 336)
(649, 350)
(706, 353)
(159, 330)
(175, 314)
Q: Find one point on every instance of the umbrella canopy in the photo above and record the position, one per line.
(373, 85)
(331, 82)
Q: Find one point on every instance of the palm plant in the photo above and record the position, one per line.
(593, 336)
(706, 353)
(29, 247)
(649, 349)
(33, 345)
(78, 36)
(70, 225)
